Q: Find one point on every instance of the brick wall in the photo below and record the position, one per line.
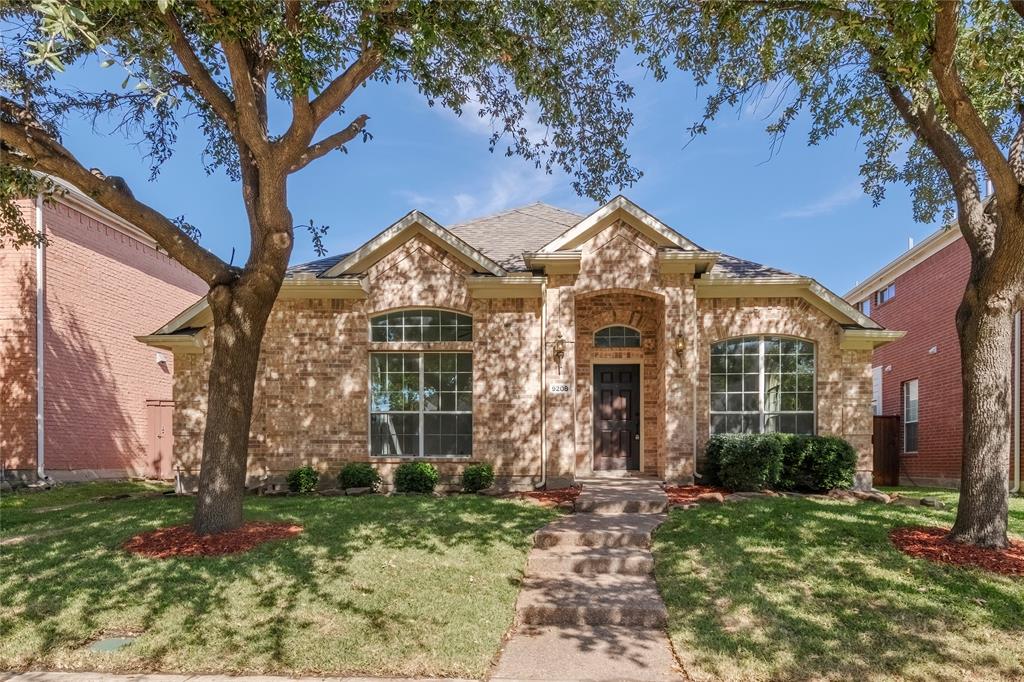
(103, 287)
(17, 354)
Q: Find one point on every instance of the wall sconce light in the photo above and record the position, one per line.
(558, 349)
(679, 346)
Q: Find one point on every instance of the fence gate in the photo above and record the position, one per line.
(885, 440)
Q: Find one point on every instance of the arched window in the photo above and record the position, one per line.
(617, 337)
(421, 403)
(762, 384)
(421, 325)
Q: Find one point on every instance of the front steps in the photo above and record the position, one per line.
(589, 607)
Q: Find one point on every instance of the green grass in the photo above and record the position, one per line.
(374, 585)
(801, 589)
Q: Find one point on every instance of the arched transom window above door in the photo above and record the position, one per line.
(617, 337)
(762, 384)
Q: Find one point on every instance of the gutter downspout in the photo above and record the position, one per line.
(40, 341)
(1016, 403)
(543, 387)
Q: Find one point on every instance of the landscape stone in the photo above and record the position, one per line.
(717, 498)
(933, 502)
(356, 492)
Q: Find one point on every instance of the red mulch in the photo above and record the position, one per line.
(178, 541)
(552, 498)
(928, 542)
(687, 494)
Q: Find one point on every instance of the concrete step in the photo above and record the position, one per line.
(590, 560)
(591, 653)
(604, 599)
(598, 530)
(635, 505)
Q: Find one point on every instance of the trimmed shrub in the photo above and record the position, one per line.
(712, 456)
(819, 463)
(793, 449)
(302, 480)
(416, 477)
(750, 461)
(358, 475)
(476, 477)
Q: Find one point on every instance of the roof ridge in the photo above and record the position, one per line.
(507, 211)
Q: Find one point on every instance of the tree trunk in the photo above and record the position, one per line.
(986, 342)
(240, 315)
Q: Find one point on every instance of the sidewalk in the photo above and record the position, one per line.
(145, 677)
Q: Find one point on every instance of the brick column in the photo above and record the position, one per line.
(680, 378)
(560, 407)
(857, 415)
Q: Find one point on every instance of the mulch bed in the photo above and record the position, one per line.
(688, 494)
(551, 498)
(179, 541)
(929, 542)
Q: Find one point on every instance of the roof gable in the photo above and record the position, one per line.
(400, 232)
(658, 232)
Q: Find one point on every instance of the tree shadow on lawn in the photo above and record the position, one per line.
(797, 589)
(365, 572)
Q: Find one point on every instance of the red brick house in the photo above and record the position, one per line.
(918, 377)
(79, 396)
(549, 344)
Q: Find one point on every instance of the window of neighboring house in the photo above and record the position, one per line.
(421, 403)
(876, 390)
(865, 307)
(910, 416)
(617, 337)
(763, 384)
(885, 295)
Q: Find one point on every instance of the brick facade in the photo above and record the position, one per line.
(312, 395)
(104, 284)
(928, 292)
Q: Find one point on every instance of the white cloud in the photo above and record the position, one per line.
(473, 122)
(845, 195)
(506, 188)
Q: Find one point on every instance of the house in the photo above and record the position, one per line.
(918, 377)
(549, 344)
(80, 398)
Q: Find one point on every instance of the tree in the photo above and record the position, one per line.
(227, 62)
(935, 89)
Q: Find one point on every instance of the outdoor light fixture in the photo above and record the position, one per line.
(680, 346)
(558, 349)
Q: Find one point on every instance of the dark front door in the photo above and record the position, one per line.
(616, 417)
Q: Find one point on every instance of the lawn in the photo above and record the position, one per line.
(373, 585)
(785, 589)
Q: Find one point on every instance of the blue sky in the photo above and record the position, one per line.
(801, 210)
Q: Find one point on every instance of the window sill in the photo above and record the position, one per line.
(390, 459)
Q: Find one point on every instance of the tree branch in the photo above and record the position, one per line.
(1016, 155)
(339, 90)
(923, 120)
(27, 146)
(251, 122)
(1019, 6)
(199, 78)
(330, 143)
(961, 111)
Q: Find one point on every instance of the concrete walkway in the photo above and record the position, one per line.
(159, 677)
(589, 608)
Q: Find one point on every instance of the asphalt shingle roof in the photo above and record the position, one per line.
(504, 237)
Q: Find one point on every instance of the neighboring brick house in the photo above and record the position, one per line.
(919, 292)
(82, 298)
(547, 343)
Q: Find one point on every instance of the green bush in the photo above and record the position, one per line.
(476, 477)
(712, 456)
(750, 461)
(303, 480)
(416, 477)
(358, 475)
(818, 463)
